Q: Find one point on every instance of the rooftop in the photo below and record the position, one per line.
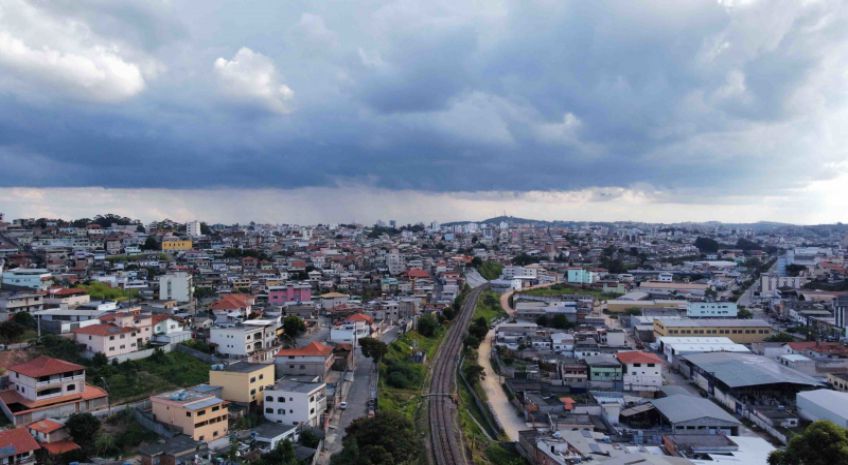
(16, 441)
(834, 401)
(296, 386)
(737, 370)
(683, 408)
(44, 366)
(245, 367)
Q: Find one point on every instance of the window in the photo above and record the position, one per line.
(269, 410)
(188, 414)
(269, 398)
(281, 411)
(252, 380)
(252, 391)
(281, 399)
(71, 387)
(261, 376)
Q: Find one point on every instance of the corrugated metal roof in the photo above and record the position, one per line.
(742, 370)
(683, 408)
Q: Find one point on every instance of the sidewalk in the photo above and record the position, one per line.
(507, 417)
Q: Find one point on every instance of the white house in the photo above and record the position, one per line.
(244, 340)
(352, 329)
(295, 402)
(642, 370)
(33, 278)
(562, 342)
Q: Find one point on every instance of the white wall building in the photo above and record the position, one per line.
(295, 403)
(33, 278)
(243, 340)
(177, 286)
(711, 309)
(193, 229)
(642, 371)
(823, 404)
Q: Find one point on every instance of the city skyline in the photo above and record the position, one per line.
(708, 110)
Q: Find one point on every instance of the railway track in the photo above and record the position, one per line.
(445, 436)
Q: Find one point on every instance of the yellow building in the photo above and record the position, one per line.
(243, 382)
(200, 415)
(177, 245)
(737, 330)
(624, 305)
(839, 381)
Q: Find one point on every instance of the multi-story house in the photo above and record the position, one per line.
(17, 447)
(245, 339)
(108, 339)
(198, 414)
(352, 328)
(242, 382)
(313, 359)
(290, 293)
(642, 371)
(234, 305)
(295, 402)
(48, 387)
(177, 286)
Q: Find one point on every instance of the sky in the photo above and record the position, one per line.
(336, 111)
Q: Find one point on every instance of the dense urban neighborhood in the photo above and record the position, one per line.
(504, 341)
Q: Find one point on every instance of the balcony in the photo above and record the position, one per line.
(58, 381)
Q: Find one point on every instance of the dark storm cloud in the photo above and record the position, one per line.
(713, 97)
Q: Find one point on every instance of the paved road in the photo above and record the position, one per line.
(357, 395)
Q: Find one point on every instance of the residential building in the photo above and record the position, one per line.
(313, 359)
(176, 286)
(352, 328)
(242, 382)
(32, 278)
(52, 436)
(198, 414)
(234, 306)
(576, 275)
(193, 229)
(17, 446)
(290, 293)
(47, 387)
(108, 339)
(295, 402)
(642, 371)
(269, 434)
(711, 309)
(244, 339)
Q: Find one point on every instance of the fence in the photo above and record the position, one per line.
(491, 423)
(149, 423)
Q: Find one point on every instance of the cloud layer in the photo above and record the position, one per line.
(706, 100)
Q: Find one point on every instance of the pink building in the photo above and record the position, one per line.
(280, 295)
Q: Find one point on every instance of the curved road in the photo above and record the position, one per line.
(446, 444)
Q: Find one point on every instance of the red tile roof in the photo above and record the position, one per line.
(10, 396)
(44, 366)
(67, 291)
(60, 447)
(417, 273)
(360, 317)
(313, 349)
(233, 302)
(832, 348)
(46, 426)
(16, 441)
(103, 330)
(637, 357)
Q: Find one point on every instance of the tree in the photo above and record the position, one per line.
(25, 319)
(293, 327)
(83, 428)
(542, 320)
(822, 443)
(744, 314)
(309, 438)
(706, 245)
(373, 348)
(283, 454)
(559, 321)
(471, 341)
(479, 328)
(795, 269)
(473, 372)
(10, 331)
(150, 244)
(386, 439)
(448, 313)
(780, 337)
(427, 325)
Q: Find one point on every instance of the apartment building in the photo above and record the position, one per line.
(295, 402)
(313, 359)
(711, 310)
(244, 339)
(47, 387)
(32, 278)
(642, 371)
(198, 414)
(176, 286)
(290, 293)
(242, 382)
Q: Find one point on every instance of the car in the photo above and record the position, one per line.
(343, 405)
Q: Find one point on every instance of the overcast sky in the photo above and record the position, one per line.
(305, 111)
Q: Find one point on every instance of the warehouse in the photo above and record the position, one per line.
(823, 404)
(744, 381)
(673, 347)
(695, 415)
(739, 331)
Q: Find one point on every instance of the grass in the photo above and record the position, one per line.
(489, 307)
(126, 432)
(484, 451)
(407, 401)
(490, 269)
(135, 379)
(563, 289)
(102, 291)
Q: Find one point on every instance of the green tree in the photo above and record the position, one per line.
(150, 244)
(744, 314)
(427, 325)
(83, 428)
(386, 439)
(479, 327)
(471, 341)
(309, 438)
(822, 443)
(283, 454)
(706, 245)
(25, 319)
(780, 337)
(373, 348)
(473, 372)
(560, 321)
(294, 327)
